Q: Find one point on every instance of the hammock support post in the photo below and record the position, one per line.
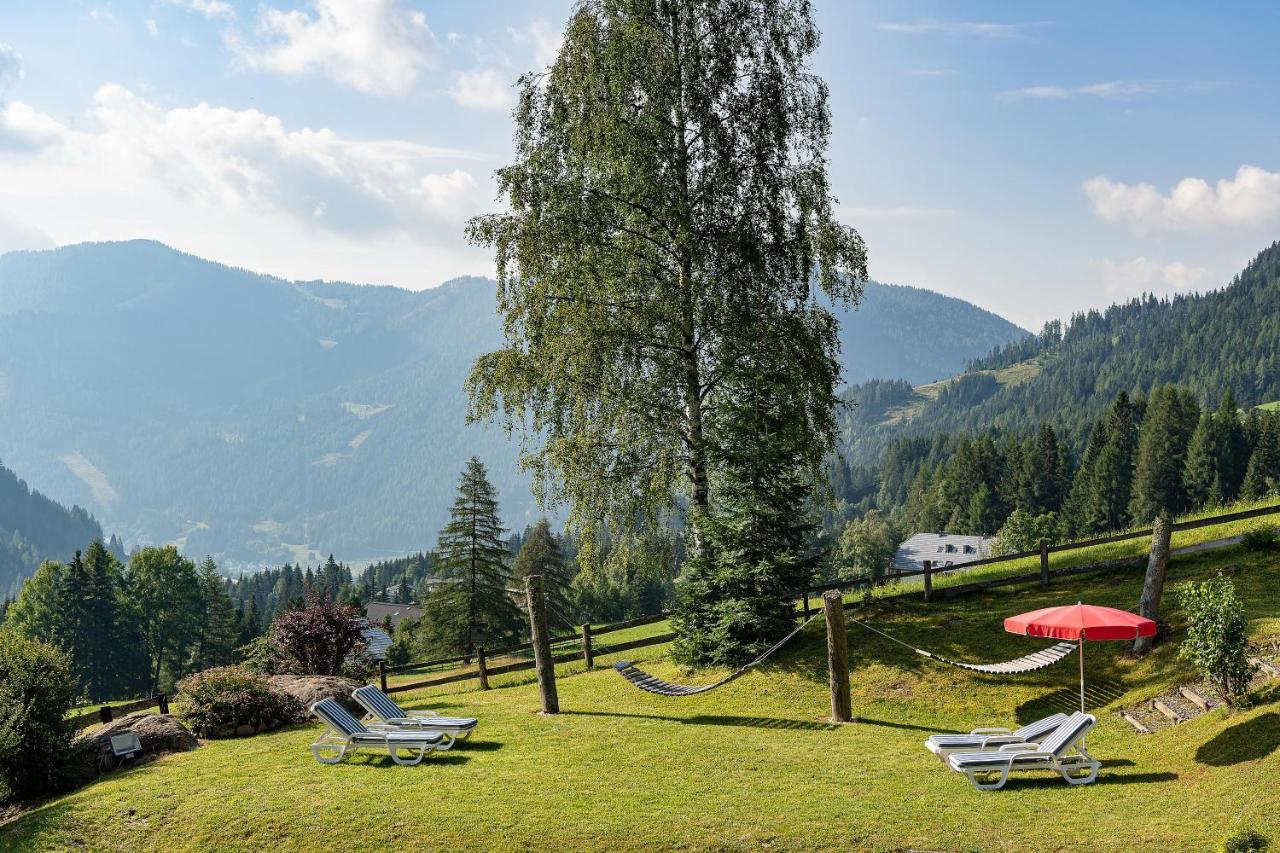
(546, 667)
(837, 657)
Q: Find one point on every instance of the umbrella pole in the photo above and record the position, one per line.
(1082, 673)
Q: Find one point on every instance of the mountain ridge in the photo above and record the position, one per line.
(263, 420)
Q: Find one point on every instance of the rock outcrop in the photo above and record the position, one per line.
(159, 734)
(309, 689)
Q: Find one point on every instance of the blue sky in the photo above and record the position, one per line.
(1036, 159)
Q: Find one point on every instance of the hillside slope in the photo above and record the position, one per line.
(262, 420)
(34, 529)
(1209, 343)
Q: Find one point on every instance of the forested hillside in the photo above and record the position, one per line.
(1067, 375)
(267, 421)
(34, 528)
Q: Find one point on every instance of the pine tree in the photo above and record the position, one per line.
(114, 654)
(471, 559)
(1262, 478)
(1203, 477)
(541, 555)
(219, 630)
(735, 594)
(983, 516)
(75, 624)
(1233, 450)
(1162, 452)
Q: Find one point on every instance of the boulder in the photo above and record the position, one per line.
(309, 689)
(158, 734)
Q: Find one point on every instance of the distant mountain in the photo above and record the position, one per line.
(1066, 375)
(34, 529)
(262, 420)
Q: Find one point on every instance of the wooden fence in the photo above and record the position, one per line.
(588, 635)
(107, 713)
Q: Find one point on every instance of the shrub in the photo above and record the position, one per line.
(36, 691)
(262, 656)
(318, 639)
(1217, 642)
(1246, 841)
(1264, 537)
(219, 701)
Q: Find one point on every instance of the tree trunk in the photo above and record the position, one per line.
(1153, 585)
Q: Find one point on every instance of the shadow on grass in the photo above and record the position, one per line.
(1104, 778)
(1247, 741)
(369, 759)
(720, 720)
(1097, 693)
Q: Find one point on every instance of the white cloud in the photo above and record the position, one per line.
(1111, 90)
(22, 127)
(242, 187)
(984, 29)
(542, 37)
(152, 26)
(213, 10)
(1250, 200)
(244, 160)
(381, 47)
(10, 68)
(485, 89)
(1139, 276)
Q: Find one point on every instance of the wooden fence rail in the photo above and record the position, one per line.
(107, 713)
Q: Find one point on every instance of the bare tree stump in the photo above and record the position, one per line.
(837, 657)
(1153, 584)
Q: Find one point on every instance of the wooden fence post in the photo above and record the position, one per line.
(546, 667)
(837, 657)
(163, 701)
(1044, 563)
(105, 714)
(484, 670)
(928, 580)
(588, 654)
(807, 611)
(382, 675)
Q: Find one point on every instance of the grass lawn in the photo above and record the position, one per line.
(752, 764)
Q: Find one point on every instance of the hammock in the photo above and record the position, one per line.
(653, 684)
(1017, 666)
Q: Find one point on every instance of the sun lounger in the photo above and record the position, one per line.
(1062, 751)
(383, 709)
(346, 734)
(982, 740)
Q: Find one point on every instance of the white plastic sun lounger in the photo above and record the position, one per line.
(346, 734)
(384, 712)
(982, 740)
(1062, 751)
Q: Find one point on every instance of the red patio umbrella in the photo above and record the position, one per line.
(1081, 622)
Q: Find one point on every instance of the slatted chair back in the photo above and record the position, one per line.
(338, 717)
(1040, 728)
(382, 705)
(1070, 732)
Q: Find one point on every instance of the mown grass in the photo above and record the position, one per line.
(752, 764)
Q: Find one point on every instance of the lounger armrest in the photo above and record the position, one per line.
(993, 730)
(1020, 747)
(1025, 750)
(995, 738)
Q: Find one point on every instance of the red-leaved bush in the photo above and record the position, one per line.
(319, 638)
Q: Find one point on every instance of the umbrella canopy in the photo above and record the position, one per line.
(1081, 622)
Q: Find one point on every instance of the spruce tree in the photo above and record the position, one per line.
(1262, 477)
(541, 555)
(472, 560)
(114, 652)
(1166, 429)
(1203, 477)
(75, 620)
(735, 594)
(216, 643)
